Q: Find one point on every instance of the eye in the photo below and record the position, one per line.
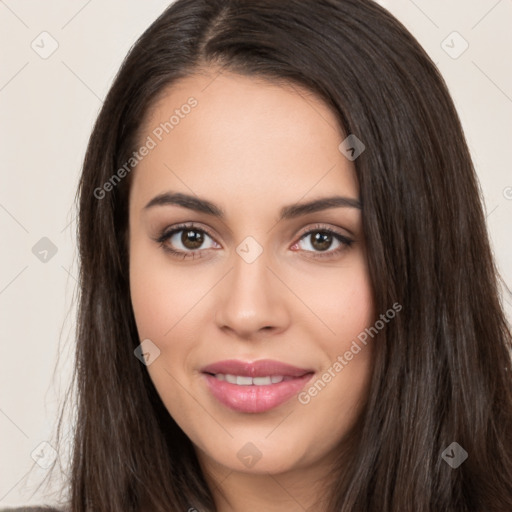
(188, 241)
(320, 239)
(185, 241)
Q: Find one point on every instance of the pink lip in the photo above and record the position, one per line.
(254, 399)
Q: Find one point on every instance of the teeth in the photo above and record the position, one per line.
(250, 381)
(262, 381)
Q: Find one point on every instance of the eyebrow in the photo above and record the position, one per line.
(287, 212)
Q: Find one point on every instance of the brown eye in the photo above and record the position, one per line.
(192, 239)
(321, 240)
(186, 241)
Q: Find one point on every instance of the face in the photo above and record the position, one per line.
(250, 301)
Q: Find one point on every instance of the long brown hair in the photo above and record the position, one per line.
(441, 368)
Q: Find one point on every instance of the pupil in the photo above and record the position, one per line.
(324, 240)
(192, 239)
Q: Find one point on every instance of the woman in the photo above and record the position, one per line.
(288, 299)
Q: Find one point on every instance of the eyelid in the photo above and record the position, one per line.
(323, 227)
(167, 233)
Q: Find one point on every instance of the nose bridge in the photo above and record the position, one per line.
(251, 297)
(249, 276)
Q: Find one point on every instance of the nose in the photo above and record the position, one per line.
(251, 301)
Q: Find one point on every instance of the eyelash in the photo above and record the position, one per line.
(166, 235)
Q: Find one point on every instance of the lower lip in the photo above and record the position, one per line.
(255, 398)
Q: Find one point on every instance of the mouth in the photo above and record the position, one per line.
(254, 387)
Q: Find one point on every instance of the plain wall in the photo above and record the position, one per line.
(47, 108)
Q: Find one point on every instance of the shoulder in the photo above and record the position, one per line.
(30, 509)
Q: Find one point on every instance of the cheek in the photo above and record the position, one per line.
(342, 302)
(160, 295)
(162, 301)
(352, 305)
(167, 306)
(339, 390)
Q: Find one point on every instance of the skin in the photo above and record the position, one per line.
(252, 147)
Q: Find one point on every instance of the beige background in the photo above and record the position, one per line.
(47, 107)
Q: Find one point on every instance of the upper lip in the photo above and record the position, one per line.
(261, 368)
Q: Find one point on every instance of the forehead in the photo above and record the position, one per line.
(214, 133)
